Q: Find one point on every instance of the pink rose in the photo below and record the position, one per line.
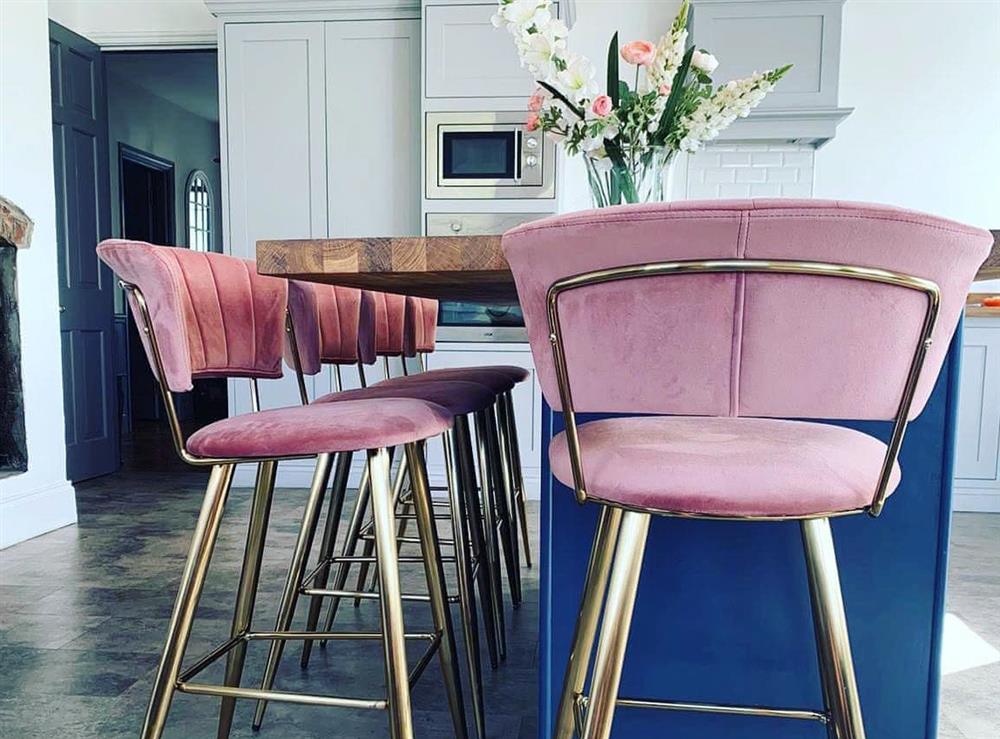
(536, 101)
(639, 52)
(665, 88)
(533, 122)
(601, 106)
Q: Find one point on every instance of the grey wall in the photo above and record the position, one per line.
(150, 123)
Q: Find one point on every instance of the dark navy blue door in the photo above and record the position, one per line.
(86, 287)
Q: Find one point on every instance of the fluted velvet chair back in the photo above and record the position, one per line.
(326, 321)
(212, 314)
(743, 344)
(420, 326)
(387, 314)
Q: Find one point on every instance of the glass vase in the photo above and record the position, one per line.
(640, 180)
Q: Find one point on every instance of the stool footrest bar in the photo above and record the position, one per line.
(792, 713)
(281, 696)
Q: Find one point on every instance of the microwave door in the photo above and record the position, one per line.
(478, 157)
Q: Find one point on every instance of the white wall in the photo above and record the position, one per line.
(145, 121)
(152, 23)
(924, 80)
(41, 499)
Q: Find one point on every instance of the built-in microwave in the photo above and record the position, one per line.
(487, 156)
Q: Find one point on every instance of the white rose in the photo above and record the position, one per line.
(704, 61)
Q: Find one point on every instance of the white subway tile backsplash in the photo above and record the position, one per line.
(752, 174)
(719, 175)
(736, 159)
(766, 159)
(782, 174)
(738, 170)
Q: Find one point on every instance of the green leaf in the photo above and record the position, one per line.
(620, 174)
(614, 89)
(562, 98)
(676, 93)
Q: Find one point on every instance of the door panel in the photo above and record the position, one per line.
(86, 287)
(275, 108)
(374, 149)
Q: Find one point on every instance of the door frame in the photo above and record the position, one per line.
(127, 153)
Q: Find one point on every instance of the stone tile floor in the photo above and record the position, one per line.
(83, 611)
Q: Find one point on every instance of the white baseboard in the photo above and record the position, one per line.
(975, 500)
(36, 512)
(298, 474)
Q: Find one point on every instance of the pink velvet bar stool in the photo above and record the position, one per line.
(420, 339)
(209, 315)
(496, 445)
(719, 320)
(325, 325)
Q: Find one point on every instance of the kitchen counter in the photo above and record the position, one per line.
(448, 267)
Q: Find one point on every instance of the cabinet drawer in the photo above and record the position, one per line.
(476, 224)
(467, 57)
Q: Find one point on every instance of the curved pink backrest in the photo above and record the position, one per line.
(325, 319)
(747, 345)
(213, 315)
(420, 326)
(383, 316)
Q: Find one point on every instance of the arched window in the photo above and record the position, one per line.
(199, 212)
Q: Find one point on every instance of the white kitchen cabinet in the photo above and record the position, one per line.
(468, 57)
(977, 452)
(320, 130)
(373, 128)
(527, 403)
(274, 136)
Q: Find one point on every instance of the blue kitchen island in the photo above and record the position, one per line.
(723, 610)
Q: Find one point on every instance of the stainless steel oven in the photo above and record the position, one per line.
(469, 321)
(487, 156)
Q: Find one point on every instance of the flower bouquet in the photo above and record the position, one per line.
(628, 136)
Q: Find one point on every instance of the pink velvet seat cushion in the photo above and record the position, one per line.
(497, 382)
(725, 466)
(458, 397)
(315, 429)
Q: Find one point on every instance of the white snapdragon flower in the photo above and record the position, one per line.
(669, 54)
(733, 100)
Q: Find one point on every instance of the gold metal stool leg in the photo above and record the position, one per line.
(840, 690)
(431, 548)
(464, 576)
(594, 587)
(349, 548)
(477, 536)
(338, 492)
(502, 493)
(615, 625)
(396, 677)
(192, 581)
(486, 479)
(246, 594)
(507, 403)
(290, 595)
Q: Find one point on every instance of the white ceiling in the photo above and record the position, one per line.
(188, 79)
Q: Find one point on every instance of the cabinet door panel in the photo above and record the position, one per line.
(373, 127)
(978, 445)
(468, 57)
(275, 104)
(274, 101)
